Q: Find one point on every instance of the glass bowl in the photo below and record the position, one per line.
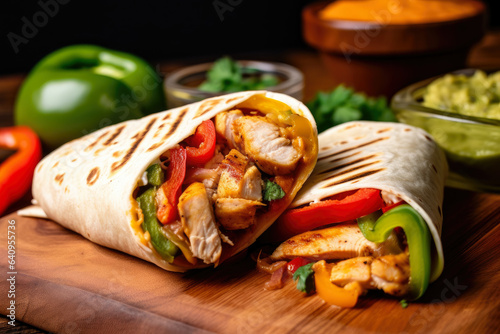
(181, 85)
(471, 144)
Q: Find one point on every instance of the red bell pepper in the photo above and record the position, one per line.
(167, 197)
(296, 263)
(16, 173)
(201, 146)
(339, 208)
(392, 206)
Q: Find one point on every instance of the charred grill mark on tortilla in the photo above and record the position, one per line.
(355, 147)
(175, 123)
(154, 146)
(350, 163)
(114, 135)
(158, 130)
(91, 146)
(232, 99)
(351, 126)
(167, 116)
(59, 178)
(93, 176)
(55, 165)
(338, 159)
(434, 168)
(206, 107)
(352, 178)
(138, 139)
(353, 169)
(384, 130)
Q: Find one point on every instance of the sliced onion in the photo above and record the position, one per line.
(277, 279)
(267, 266)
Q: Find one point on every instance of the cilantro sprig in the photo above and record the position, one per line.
(305, 278)
(226, 75)
(273, 191)
(343, 104)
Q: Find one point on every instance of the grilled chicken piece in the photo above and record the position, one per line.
(342, 241)
(261, 139)
(252, 184)
(239, 192)
(224, 125)
(233, 170)
(357, 269)
(391, 273)
(235, 213)
(239, 178)
(198, 222)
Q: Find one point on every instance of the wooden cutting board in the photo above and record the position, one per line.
(65, 283)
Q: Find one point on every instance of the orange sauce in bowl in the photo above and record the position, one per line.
(401, 11)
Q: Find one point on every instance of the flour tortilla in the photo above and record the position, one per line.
(397, 158)
(87, 184)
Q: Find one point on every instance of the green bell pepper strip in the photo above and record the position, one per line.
(418, 238)
(156, 175)
(160, 242)
(81, 88)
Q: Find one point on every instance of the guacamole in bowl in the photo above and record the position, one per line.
(461, 111)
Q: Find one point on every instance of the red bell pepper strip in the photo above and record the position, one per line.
(392, 206)
(16, 173)
(296, 263)
(201, 145)
(167, 196)
(339, 208)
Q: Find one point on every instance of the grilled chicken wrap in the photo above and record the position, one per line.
(370, 215)
(187, 187)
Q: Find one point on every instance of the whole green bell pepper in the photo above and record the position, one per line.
(81, 88)
(418, 238)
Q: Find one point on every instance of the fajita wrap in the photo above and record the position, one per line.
(370, 215)
(184, 188)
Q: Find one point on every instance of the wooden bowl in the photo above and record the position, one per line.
(380, 59)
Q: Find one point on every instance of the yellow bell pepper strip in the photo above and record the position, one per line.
(16, 172)
(418, 237)
(329, 292)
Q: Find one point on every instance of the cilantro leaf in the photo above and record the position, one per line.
(305, 278)
(343, 104)
(226, 75)
(273, 191)
(404, 303)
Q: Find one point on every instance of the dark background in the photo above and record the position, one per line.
(155, 30)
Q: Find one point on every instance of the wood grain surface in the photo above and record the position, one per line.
(67, 284)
